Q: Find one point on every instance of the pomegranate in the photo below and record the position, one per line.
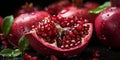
(23, 23)
(57, 6)
(107, 25)
(60, 36)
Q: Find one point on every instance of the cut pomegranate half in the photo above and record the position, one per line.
(68, 40)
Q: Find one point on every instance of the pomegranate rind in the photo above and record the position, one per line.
(45, 48)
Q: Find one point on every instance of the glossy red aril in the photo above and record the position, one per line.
(23, 23)
(107, 25)
(27, 57)
(60, 36)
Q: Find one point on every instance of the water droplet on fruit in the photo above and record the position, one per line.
(103, 37)
(63, 11)
(65, 54)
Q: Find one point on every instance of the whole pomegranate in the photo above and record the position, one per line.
(107, 25)
(60, 36)
(23, 23)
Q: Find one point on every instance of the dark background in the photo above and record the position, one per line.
(8, 7)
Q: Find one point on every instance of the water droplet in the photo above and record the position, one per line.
(63, 11)
(65, 54)
(103, 37)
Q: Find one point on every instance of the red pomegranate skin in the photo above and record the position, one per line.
(79, 12)
(107, 26)
(23, 23)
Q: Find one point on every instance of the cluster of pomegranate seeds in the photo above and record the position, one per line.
(73, 36)
(67, 32)
(47, 30)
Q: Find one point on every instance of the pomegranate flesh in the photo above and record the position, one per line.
(23, 23)
(60, 36)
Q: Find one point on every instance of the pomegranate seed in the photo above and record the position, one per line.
(33, 58)
(2, 36)
(96, 53)
(5, 43)
(53, 57)
(27, 57)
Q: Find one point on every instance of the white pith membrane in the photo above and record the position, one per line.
(54, 46)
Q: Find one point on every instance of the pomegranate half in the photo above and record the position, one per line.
(60, 36)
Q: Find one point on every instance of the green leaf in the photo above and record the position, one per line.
(10, 52)
(100, 8)
(23, 43)
(6, 52)
(7, 24)
(16, 52)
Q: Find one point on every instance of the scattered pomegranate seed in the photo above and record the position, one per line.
(53, 57)
(96, 53)
(33, 58)
(27, 57)
(5, 43)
